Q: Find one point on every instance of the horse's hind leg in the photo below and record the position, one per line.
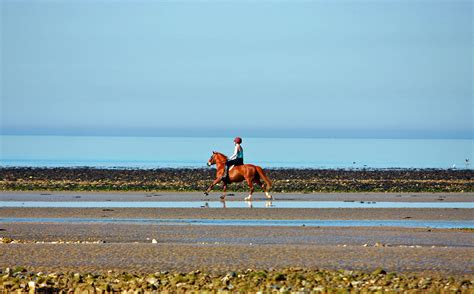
(259, 183)
(249, 182)
(264, 188)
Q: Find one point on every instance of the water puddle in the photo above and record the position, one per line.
(440, 224)
(233, 204)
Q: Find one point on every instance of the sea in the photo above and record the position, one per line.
(193, 152)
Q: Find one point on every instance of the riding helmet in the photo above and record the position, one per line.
(238, 140)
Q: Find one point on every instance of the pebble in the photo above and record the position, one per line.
(12, 241)
(31, 284)
(264, 281)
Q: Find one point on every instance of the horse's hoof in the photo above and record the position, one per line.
(205, 193)
(223, 197)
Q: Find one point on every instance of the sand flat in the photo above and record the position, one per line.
(238, 196)
(244, 213)
(219, 258)
(128, 247)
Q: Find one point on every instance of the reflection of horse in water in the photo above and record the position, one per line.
(249, 172)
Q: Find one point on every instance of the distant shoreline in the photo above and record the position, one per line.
(305, 180)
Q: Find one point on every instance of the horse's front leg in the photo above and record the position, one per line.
(212, 185)
(224, 192)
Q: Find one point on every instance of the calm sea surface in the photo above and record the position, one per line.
(153, 152)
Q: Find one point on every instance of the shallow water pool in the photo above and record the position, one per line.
(440, 224)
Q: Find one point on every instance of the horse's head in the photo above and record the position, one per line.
(215, 158)
(212, 159)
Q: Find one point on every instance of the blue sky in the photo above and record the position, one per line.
(253, 68)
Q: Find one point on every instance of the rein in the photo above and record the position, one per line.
(224, 161)
(221, 161)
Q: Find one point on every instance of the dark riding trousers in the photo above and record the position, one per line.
(236, 162)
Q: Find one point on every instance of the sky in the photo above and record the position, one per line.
(251, 68)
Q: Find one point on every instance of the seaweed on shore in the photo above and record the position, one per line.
(198, 179)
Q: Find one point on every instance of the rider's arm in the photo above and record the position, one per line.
(236, 150)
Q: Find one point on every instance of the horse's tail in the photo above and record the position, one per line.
(264, 177)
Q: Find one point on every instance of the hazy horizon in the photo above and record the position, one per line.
(275, 133)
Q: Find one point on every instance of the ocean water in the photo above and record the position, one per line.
(155, 152)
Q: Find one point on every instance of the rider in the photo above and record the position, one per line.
(236, 159)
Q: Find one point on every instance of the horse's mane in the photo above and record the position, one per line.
(220, 154)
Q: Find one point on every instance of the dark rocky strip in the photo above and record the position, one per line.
(284, 180)
(288, 280)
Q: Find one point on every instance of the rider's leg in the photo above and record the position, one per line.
(231, 163)
(226, 170)
(228, 164)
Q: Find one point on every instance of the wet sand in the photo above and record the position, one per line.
(220, 249)
(244, 213)
(218, 258)
(191, 234)
(128, 247)
(232, 196)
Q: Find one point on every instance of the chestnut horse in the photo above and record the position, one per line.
(249, 172)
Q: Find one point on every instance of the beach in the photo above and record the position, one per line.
(123, 123)
(48, 247)
(169, 242)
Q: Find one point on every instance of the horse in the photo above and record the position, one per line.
(249, 172)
